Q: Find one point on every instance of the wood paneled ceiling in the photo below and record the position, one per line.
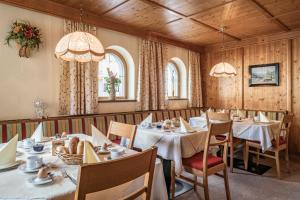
(189, 22)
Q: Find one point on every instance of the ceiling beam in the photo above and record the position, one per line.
(182, 16)
(63, 11)
(213, 7)
(116, 6)
(269, 15)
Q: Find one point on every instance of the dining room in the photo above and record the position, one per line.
(149, 99)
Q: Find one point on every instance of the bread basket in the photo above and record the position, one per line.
(70, 159)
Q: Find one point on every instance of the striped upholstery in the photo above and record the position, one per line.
(171, 114)
(138, 118)
(183, 114)
(159, 116)
(82, 124)
(166, 114)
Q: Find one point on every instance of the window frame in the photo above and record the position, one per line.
(122, 59)
(179, 81)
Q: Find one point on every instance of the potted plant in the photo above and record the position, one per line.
(26, 36)
(112, 83)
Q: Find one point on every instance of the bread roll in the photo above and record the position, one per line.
(80, 148)
(73, 145)
(43, 173)
(62, 149)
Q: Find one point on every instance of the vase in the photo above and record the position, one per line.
(112, 93)
(24, 52)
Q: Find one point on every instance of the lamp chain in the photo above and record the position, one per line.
(81, 16)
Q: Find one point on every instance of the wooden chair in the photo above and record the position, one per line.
(105, 175)
(122, 130)
(233, 142)
(279, 143)
(204, 164)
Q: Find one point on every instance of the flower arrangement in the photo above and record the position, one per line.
(25, 35)
(112, 82)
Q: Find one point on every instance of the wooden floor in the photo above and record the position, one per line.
(246, 186)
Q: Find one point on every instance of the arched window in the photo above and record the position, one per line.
(172, 79)
(116, 63)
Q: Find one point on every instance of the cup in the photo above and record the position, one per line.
(115, 153)
(34, 162)
(28, 142)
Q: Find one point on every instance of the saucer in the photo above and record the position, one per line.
(26, 170)
(37, 181)
(10, 165)
(103, 151)
(38, 152)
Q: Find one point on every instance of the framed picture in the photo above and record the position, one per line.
(266, 74)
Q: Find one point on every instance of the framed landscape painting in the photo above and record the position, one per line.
(266, 74)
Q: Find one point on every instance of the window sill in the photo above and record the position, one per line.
(116, 101)
(178, 99)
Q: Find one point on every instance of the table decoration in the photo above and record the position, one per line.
(26, 36)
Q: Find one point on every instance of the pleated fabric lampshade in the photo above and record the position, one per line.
(79, 46)
(223, 69)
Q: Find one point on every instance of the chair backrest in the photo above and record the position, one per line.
(213, 130)
(105, 175)
(285, 125)
(123, 130)
(218, 116)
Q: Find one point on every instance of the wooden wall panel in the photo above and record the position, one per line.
(295, 134)
(222, 92)
(235, 92)
(266, 97)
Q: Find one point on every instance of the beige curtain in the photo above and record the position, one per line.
(195, 90)
(151, 84)
(78, 81)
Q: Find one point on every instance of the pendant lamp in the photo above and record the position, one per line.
(222, 69)
(79, 46)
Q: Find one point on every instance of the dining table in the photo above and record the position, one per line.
(14, 183)
(247, 129)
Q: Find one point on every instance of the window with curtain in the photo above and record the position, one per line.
(172, 80)
(116, 63)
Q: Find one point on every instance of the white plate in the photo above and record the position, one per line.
(26, 170)
(38, 152)
(35, 181)
(11, 165)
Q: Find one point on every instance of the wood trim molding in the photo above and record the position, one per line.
(256, 40)
(182, 16)
(63, 11)
(269, 15)
(289, 76)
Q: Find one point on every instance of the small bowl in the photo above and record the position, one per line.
(38, 147)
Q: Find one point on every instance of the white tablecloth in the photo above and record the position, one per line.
(14, 184)
(172, 145)
(248, 130)
(255, 131)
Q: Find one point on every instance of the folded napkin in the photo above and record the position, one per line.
(202, 114)
(98, 138)
(147, 120)
(184, 126)
(89, 154)
(8, 152)
(38, 133)
(240, 114)
(263, 118)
